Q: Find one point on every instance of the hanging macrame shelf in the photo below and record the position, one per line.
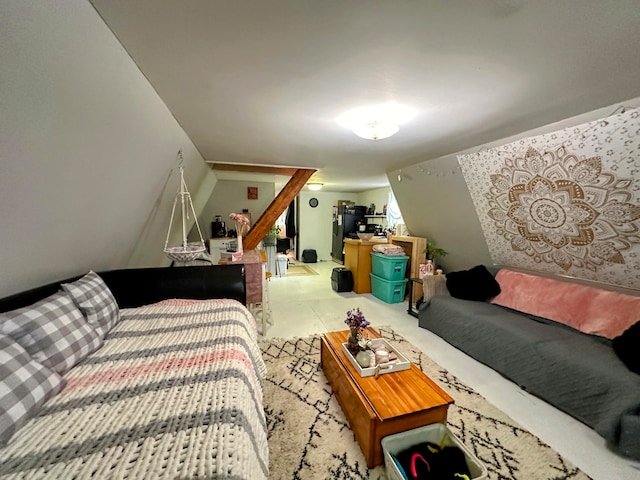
(186, 252)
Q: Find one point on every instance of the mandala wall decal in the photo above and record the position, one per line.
(565, 203)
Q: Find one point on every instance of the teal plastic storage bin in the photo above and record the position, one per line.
(386, 290)
(388, 267)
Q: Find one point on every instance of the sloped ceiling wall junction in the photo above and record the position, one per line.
(88, 149)
(436, 202)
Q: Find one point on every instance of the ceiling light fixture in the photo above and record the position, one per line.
(375, 122)
(314, 186)
(375, 130)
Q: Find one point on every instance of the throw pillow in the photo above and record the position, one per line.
(95, 301)
(53, 331)
(24, 386)
(626, 347)
(475, 284)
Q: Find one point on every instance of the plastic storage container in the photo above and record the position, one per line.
(437, 433)
(386, 290)
(388, 267)
(282, 263)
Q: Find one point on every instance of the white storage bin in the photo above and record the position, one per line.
(282, 264)
(437, 433)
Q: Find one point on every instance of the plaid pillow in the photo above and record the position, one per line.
(95, 301)
(24, 386)
(53, 331)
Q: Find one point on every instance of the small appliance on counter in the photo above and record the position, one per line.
(374, 228)
(218, 228)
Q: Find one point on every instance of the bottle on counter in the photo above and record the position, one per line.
(429, 268)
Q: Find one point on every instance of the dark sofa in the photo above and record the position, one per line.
(576, 372)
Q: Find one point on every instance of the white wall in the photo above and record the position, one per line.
(88, 149)
(316, 224)
(378, 196)
(230, 196)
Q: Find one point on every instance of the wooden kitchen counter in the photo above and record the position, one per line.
(357, 258)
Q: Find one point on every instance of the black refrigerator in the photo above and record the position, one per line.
(345, 225)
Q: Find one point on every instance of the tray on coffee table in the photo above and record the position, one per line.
(402, 363)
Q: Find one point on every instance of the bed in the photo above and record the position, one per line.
(174, 391)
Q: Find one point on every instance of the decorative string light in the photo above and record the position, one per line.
(578, 136)
(437, 173)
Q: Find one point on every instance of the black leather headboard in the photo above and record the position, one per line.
(141, 286)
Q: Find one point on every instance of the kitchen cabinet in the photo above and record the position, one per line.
(217, 246)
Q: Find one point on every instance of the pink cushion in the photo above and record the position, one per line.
(588, 309)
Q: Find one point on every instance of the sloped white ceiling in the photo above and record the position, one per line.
(263, 81)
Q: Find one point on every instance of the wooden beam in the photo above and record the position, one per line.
(233, 167)
(277, 206)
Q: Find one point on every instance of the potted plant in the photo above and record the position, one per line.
(271, 237)
(433, 251)
(357, 324)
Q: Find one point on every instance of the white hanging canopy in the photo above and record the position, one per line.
(187, 251)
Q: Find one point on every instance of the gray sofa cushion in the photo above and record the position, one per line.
(578, 373)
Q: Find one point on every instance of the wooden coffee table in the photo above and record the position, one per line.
(377, 407)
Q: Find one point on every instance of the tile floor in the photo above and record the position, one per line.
(303, 305)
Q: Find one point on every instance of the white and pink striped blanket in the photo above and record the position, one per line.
(175, 392)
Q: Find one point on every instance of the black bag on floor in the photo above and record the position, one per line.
(341, 279)
(309, 256)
